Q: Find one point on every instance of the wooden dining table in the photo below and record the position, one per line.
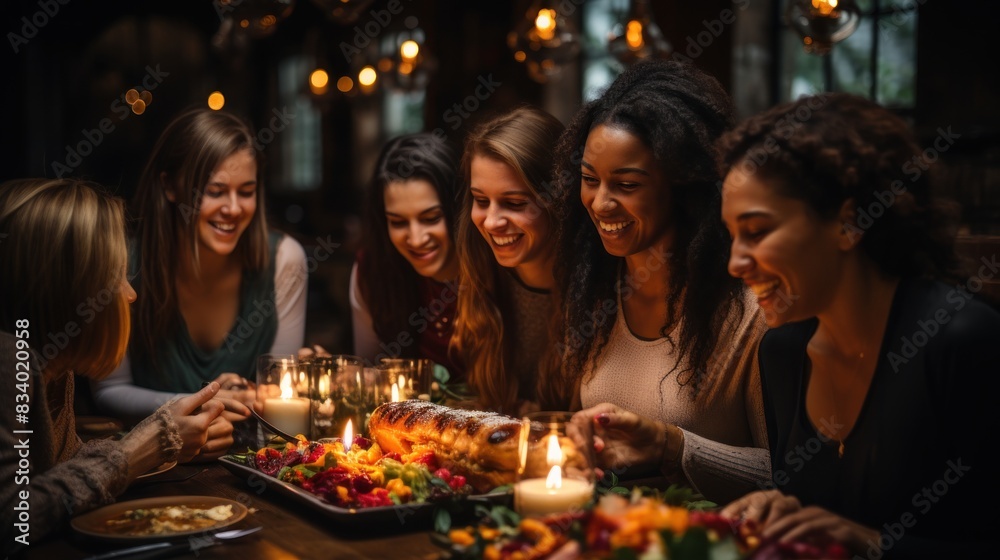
(289, 530)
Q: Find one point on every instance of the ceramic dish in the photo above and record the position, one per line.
(107, 523)
(382, 518)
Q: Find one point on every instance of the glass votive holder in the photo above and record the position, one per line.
(412, 378)
(337, 389)
(556, 467)
(281, 396)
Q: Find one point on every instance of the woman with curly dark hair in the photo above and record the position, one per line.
(658, 338)
(876, 374)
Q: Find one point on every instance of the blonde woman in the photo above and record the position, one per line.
(65, 313)
(216, 287)
(506, 251)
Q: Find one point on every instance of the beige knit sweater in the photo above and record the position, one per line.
(725, 437)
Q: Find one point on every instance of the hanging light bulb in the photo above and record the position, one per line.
(639, 37)
(545, 40)
(409, 66)
(822, 23)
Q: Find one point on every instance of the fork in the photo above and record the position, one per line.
(168, 549)
(271, 427)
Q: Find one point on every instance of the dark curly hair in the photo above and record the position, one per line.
(678, 112)
(828, 148)
(381, 269)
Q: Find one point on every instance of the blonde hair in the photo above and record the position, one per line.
(63, 259)
(188, 151)
(523, 139)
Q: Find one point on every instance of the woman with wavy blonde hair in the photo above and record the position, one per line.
(65, 313)
(505, 243)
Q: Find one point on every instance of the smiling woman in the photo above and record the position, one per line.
(403, 288)
(659, 339)
(216, 287)
(505, 234)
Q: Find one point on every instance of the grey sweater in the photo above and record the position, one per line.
(48, 474)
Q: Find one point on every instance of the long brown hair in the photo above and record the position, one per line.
(192, 146)
(382, 270)
(524, 140)
(63, 261)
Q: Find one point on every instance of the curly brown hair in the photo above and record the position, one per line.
(679, 112)
(828, 148)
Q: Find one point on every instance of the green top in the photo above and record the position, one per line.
(184, 366)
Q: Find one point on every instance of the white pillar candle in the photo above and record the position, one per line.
(538, 496)
(289, 413)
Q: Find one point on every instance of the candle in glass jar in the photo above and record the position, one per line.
(289, 412)
(553, 494)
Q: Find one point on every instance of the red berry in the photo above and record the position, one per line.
(456, 482)
(444, 474)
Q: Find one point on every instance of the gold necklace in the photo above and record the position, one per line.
(841, 447)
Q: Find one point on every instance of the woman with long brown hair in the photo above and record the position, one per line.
(217, 288)
(506, 250)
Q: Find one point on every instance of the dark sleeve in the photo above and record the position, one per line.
(781, 355)
(963, 363)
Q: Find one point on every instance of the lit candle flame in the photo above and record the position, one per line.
(348, 435)
(286, 386)
(554, 480)
(395, 393)
(324, 385)
(554, 455)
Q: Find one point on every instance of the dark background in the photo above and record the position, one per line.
(65, 79)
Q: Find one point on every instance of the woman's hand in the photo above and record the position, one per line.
(623, 440)
(193, 415)
(315, 350)
(236, 387)
(783, 518)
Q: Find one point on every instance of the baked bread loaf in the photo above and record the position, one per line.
(482, 446)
